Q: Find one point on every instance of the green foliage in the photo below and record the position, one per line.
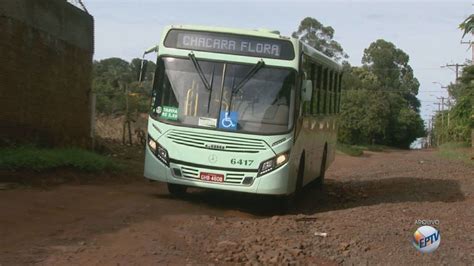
(350, 150)
(390, 65)
(467, 25)
(456, 151)
(113, 77)
(364, 117)
(457, 123)
(376, 148)
(408, 127)
(358, 150)
(40, 159)
(320, 37)
(379, 104)
(454, 145)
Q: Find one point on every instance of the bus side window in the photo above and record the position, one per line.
(306, 75)
(306, 104)
(330, 91)
(315, 96)
(336, 95)
(340, 93)
(320, 86)
(324, 91)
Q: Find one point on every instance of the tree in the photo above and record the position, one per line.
(409, 127)
(363, 117)
(467, 25)
(320, 37)
(364, 111)
(376, 107)
(390, 65)
(461, 116)
(461, 120)
(113, 78)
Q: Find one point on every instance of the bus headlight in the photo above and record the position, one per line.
(273, 163)
(158, 150)
(152, 144)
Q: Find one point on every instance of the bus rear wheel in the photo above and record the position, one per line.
(320, 180)
(177, 190)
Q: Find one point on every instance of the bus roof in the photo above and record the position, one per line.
(319, 56)
(257, 32)
(266, 33)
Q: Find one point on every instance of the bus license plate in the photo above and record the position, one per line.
(211, 177)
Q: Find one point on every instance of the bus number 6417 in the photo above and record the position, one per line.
(241, 162)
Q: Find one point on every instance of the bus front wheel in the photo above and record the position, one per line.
(176, 190)
(299, 179)
(290, 202)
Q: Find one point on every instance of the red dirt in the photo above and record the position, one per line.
(368, 210)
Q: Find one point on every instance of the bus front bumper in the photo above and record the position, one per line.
(274, 183)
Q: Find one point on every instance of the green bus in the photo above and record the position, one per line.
(241, 110)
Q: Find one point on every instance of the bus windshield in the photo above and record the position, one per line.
(237, 97)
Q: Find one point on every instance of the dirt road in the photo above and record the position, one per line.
(368, 210)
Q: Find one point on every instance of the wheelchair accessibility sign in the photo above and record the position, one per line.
(228, 120)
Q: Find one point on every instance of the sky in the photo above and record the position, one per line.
(426, 30)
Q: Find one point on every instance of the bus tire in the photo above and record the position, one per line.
(289, 202)
(177, 190)
(286, 204)
(299, 179)
(322, 172)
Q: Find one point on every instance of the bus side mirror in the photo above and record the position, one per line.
(306, 90)
(142, 71)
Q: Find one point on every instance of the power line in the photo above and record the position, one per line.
(457, 68)
(389, 90)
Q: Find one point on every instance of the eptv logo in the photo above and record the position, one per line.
(426, 239)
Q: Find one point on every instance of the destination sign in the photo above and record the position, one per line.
(230, 44)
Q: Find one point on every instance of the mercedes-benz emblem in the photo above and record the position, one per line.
(212, 158)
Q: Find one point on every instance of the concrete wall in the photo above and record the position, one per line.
(46, 49)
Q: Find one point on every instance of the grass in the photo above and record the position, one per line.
(456, 151)
(376, 148)
(351, 150)
(358, 150)
(40, 159)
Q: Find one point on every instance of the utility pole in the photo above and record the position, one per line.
(449, 109)
(440, 131)
(442, 109)
(433, 125)
(472, 49)
(457, 68)
(449, 116)
(441, 105)
(430, 129)
(443, 87)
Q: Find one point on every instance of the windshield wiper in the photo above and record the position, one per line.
(260, 64)
(248, 76)
(200, 72)
(203, 78)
